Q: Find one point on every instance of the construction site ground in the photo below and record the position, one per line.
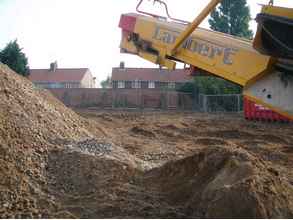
(157, 137)
(88, 163)
(162, 146)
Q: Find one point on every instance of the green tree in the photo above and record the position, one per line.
(210, 85)
(189, 87)
(106, 83)
(232, 17)
(13, 56)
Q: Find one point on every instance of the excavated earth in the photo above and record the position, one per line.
(88, 163)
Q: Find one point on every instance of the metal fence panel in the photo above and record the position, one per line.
(221, 103)
(149, 99)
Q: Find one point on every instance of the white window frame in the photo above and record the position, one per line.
(121, 85)
(151, 85)
(136, 84)
(171, 85)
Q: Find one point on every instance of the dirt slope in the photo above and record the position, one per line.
(30, 116)
(30, 122)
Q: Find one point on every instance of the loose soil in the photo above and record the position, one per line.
(88, 163)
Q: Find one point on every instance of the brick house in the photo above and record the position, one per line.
(55, 77)
(149, 78)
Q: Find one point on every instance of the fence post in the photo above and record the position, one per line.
(197, 102)
(113, 99)
(239, 104)
(205, 107)
(141, 99)
(137, 104)
(167, 100)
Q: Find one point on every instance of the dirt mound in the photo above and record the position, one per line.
(31, 121)
(104, 186)
(30, 116)
(223, 182)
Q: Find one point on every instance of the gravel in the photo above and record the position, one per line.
(92, 146)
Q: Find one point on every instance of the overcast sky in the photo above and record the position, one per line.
(83, 33)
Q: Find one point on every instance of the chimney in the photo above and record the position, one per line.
(94, 82)
(122, 65)
(53, 66)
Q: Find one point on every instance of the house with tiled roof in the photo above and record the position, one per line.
(54, 77)
(149, 78)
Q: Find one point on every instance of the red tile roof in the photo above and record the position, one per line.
(150, 74)
(59, 76)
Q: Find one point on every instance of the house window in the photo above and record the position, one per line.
(121, 85)
(152, 85)
(53, 85)
(136, 84)
(171, 85)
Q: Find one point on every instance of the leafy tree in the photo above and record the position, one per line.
(232, 17)
(210, 85)
(189, 87)
(106, 83)
(13, 56)
(213, 85)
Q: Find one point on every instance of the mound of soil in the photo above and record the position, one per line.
(223, 182)
(101, 186)
(30, 117)
(31, 120)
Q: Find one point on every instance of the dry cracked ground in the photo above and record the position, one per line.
(88, 163)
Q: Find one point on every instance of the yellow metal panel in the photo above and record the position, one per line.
(231, 58)
(128, 45)
(149, 57)
(278, 11)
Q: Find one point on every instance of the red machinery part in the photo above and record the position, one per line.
(257, 112)
(127, 22)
